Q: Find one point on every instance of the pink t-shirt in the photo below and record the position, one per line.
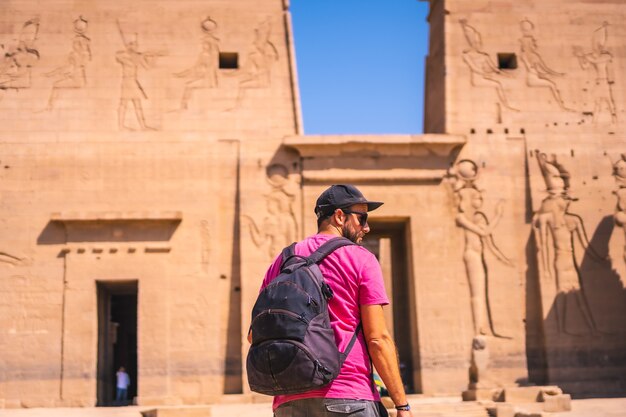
(356, 279)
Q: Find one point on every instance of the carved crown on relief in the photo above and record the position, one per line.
(619, 171)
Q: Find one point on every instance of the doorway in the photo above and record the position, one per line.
(389, 242)
(117, 339)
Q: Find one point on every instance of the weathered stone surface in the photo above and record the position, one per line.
(505, 410)
(530, 394)
(482, 394)
(557, 403)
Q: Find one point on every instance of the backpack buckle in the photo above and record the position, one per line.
(327, 291)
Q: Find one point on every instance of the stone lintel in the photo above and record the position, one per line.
(111, 227)
(375, 159)
(114, 216)
(379, 145)
(380, 175)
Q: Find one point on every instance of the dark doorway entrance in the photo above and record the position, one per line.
(389, 241)
(117, 338)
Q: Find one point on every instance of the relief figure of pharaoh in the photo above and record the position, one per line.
(556, 230)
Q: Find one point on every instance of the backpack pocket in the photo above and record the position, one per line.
(284, 367)
(278, 324)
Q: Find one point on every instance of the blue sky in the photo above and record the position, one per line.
(361, 65)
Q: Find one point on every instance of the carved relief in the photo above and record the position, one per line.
(205, 239)
(619, 172)
(279, 227)
(203, 74)
(555, 230)
(600, 60)
(480, 377)
(257, 69)
(538, 74)
(72, 75)
(484, 73)
(18, 59)
(478, 230)
(131, 59)
(7, 258)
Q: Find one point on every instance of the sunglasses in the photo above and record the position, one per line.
(362, 216)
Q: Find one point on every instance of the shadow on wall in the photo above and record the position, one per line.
(535, 340)
(584, 331)
(139, 230)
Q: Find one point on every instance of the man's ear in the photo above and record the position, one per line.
(338, 217)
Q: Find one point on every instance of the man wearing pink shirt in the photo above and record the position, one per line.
(355, 277)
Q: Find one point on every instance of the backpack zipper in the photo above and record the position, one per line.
(326, 373)
(280, 311)
(298, 288)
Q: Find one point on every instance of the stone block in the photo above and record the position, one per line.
(522, 394)
(482, 394)
(557, 403)
(178, 412)
(505, 410)
(528, 394)
(549, 390)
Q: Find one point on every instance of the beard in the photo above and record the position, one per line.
(350, 235)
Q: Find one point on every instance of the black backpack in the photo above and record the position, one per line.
(293, 346)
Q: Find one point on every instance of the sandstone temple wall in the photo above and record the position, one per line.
(537, 89)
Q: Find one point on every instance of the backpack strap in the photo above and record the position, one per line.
(287, 253)
(327, 248)
(344, 355)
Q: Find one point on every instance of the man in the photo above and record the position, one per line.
(354, 275)
(123, 381)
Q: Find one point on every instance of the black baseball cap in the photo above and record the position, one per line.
(341, 196)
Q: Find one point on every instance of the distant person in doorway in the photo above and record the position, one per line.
(123, 382)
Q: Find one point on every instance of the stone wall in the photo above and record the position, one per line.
(129, 133)
(536, 88)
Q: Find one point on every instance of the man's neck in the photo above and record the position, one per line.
(329, 230)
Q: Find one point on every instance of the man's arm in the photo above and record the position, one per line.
(382, 349)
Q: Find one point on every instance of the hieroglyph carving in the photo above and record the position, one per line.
(600, 60)
(72, 75)
(555, 230)
(18, 59)
(538, 74)
(7, 258)
(279, 227)
(205, 239)
(257, 68)
(131, 59)
(203, 74)
(478, 230)
(619, 172)
(484, 73)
